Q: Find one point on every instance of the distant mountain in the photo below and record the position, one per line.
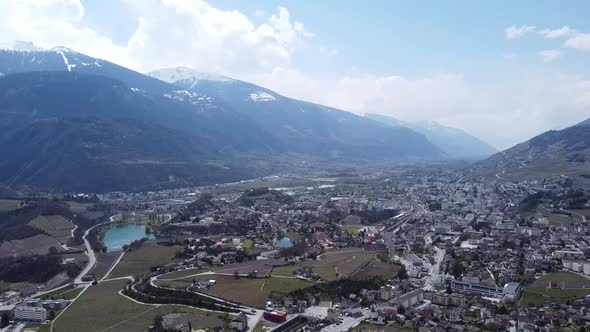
(76, 132)
(555, 152)
(306, 128)
(456, 143)
(71, 122)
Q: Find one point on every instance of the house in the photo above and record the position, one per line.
(240, 323)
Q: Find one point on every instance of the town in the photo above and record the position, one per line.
(380, 252)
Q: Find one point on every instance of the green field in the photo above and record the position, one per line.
(556, 219)
(564, 276)
(9, 204)
(113, 312)
(286, 271)
(39, 327)
(79, 207)
(538, 296)
(573, 286)
(327, 273)
(140, 260)
(353, 230)
(581, 212)
(66, 293)
(248, 244)
(357, 263)
(254, 292)
(4, 285)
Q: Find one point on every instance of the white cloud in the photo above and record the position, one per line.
(514, 32)
(580, 42)
(180, 32)
(564, 31)
(549, 55)
(502, 113)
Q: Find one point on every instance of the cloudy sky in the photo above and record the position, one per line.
(502, 70)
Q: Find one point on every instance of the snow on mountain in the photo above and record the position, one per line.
(188, 96)
(261, 97)
(175, 74)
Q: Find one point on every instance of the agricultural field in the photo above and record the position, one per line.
(565, 286)
(79, 207)
(141, 260)
(252, 291)
(57, 226)
(113, 312)
(7, 205)
(104, 261)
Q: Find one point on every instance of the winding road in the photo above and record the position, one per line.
(89, 252)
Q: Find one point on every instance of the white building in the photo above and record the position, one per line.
(33, 314)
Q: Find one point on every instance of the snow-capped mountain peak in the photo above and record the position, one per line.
(175, 74)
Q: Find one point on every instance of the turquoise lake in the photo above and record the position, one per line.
(118, 236)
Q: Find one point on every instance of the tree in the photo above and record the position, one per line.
(401, 310)
(457, 269)
(51, 314)
(53, 250)
(402, 273)
(5, 319)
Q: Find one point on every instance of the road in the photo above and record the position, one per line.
(435, 268)
(347, 324)
(89, 252)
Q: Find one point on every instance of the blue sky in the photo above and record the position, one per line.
(410, 38)
(501, 70)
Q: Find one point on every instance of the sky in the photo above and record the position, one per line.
(504, 71)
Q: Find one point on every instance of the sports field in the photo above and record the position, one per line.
(555, 287)
(342, 263)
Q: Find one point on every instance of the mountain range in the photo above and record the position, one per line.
(455, 143)
(555, 152)
(71, 122)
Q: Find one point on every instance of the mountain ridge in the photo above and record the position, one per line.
(456, 143)
(233, 131)
(554, 152)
